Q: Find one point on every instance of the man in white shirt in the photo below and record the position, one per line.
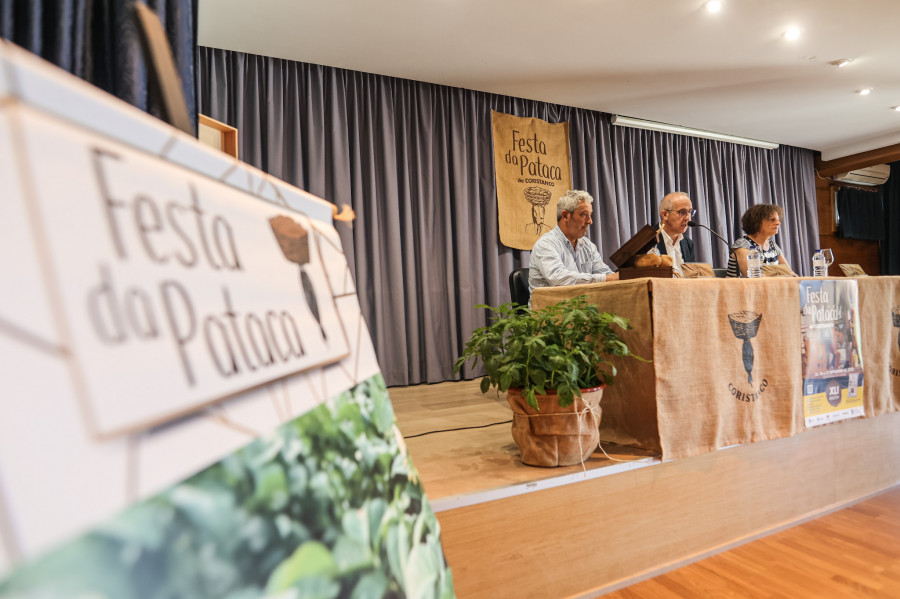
(563, 255)
(675, 211)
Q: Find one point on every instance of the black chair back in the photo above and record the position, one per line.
(518, 287)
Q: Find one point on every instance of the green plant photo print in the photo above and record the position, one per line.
(326, 506)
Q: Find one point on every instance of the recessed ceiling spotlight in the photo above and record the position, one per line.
(864, 91)
(897, 108)
(792, 34)
(842, 62)
(714, 6)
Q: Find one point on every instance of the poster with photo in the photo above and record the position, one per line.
(192, 406)
(327, 505)
(832, 361)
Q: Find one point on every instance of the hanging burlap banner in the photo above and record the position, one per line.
(532, 167)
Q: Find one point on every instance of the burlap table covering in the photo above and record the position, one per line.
(629, 404)
(879, 300)
(706, 399)
(695, 397)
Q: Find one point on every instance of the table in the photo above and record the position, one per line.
(695, 396)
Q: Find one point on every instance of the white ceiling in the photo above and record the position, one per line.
(662, 60)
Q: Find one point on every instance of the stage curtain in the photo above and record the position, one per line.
(414, 160)
(861, 213)
(97, 40)
(890, 246)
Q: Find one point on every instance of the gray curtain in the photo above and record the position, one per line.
(97, 40)
(415, 162)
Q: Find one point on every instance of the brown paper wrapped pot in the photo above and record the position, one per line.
(553, 435)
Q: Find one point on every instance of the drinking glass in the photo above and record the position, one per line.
(829, 257)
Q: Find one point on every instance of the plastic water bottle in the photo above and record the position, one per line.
(754, 264)
(820, 269)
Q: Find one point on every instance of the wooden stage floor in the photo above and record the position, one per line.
(514, 530)
(472, 465)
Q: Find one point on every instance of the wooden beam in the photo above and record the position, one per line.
(829, 168)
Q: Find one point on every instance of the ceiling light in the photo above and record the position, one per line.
(627, 121)
(792, 33)
(897, 108)
(714, 6)
(842, 62)
(864, 91)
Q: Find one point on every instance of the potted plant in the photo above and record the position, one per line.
(553, 363)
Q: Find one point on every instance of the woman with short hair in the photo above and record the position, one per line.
(760, 224)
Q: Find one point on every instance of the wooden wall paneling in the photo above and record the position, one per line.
(853, 251)
(825, 206)
(846, 251)
(829, 168)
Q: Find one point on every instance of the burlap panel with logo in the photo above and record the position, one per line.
(712, 391)
(532, 170)
(629, 404)
(879, 315)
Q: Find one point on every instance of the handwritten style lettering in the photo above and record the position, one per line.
(526, 160)
(224, 339)
(166, 230)
(235, 340)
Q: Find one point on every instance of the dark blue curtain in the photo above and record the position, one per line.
(890, 247)
(415, 161)
(860, 213)
(97, 40)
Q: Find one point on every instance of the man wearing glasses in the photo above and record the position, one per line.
(675, 211)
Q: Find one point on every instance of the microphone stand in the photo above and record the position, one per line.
(728, 245)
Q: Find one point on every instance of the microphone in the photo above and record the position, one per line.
(728, 245)
(696, 224)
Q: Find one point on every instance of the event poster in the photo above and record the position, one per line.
(192, 405)
(533, 170)
(832, 360)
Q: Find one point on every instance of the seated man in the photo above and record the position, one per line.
(675, 211)
(563, 255)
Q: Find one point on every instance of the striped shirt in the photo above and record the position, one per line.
(769, 255)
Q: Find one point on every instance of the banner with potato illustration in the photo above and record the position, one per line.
(532, 167)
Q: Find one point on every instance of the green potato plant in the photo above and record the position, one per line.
(326, 506)
(564, 347)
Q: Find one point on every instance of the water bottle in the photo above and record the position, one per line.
(819, 265)
(754, 264)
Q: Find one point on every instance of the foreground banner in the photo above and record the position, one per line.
(191, 401)
(831, 352)
(532, 167)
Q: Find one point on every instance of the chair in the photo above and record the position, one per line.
(518, 287)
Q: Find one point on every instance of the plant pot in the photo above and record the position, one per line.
(556, 436)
